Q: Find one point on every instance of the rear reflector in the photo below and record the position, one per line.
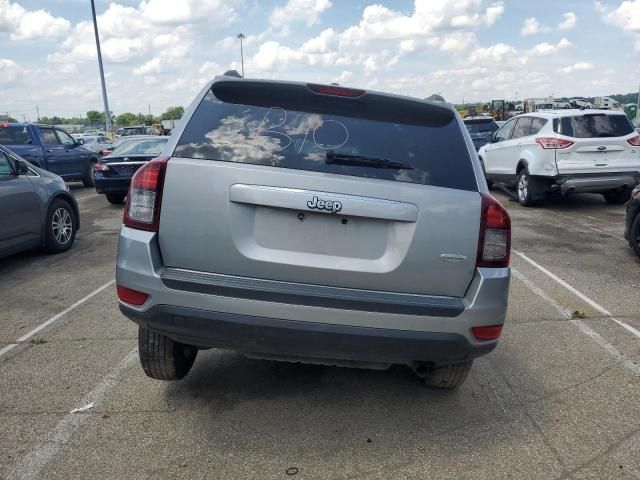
(490, 332)
(494, 244)
(132, 297)
(549, 143)
(635, 141)
(145, 196)
(335, 90)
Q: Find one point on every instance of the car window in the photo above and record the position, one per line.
(536, 125)
(505, 131)
(48, 136)
(15, 135)
(593, 125)
(286, 130)
(481, 126)
(65, 138)
(132, 131)
(5, 168)
(522, 128)
(103, 140)
(140, 147)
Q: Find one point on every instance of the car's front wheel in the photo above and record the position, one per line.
(163, 358)
(617, 197)
(115, 198)
(61, 227)
(448, 376)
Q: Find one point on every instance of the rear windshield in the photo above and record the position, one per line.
(301, 130)
(593, 126)
(15, 136)
(481, 126)
(140, 147)
(132, 131)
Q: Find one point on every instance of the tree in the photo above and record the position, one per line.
(94, 117)
(173, 113)
(125, 119)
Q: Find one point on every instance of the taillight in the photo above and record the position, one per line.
(494, 245)
(130, 296)
(635, 140)
(549, 143)
(101, 167)
(491, 332)
(335, 90)
(145, 196)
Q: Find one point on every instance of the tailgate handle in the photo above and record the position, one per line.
(323, 202)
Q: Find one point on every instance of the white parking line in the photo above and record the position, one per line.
(582, 326)
(44, 325)
(87, 196)
(580, 295)
(30, 466)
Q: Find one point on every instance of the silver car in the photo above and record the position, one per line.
(36, 208)
(315, 223)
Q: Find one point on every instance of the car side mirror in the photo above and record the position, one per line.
(80, 141)
(21, 167)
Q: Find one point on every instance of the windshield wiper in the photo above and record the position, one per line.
(364, 161)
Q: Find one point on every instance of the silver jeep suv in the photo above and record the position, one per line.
(315, 223)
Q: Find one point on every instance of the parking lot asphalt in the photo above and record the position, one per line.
(558, 398)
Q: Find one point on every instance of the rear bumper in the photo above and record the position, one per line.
(268, 337)
(112, 185)
(594, 183)
(266, 318)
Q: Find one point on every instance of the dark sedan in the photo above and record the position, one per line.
(481, 129)
(113, 173)
(632, 225)
(36, 208)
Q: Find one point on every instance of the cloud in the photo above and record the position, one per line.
(180, 12)
(10, 73)
(577, 67)
(308, 11)
(23, 24)
(531, 26)
(569, 22)
(626, 17)
(545, 49)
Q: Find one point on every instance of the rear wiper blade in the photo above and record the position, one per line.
(362, 160)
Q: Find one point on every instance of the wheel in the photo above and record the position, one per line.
(634, 235)
(88, 179)
(617, 197)
(163, 358)
(448, 376)
(484, 172)
(61, 227)
(523, 189)
(115, 198)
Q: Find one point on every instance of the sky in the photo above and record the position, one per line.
(159, 53)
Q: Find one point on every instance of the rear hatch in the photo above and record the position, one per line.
(600, 143)
(481, 130)
(130, 155)
(325, 186)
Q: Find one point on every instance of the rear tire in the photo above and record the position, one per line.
(61, 226)
(634, 235)
(617, 197)
(115, 198)
(88, 179)
(163, 358)
(448, 376)
(523, 189)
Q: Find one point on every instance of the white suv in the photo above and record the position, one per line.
(565, 151)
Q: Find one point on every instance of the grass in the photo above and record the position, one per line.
(578, 314)
(38, 341)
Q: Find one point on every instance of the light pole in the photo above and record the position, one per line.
(241, 37)
(107, 114)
